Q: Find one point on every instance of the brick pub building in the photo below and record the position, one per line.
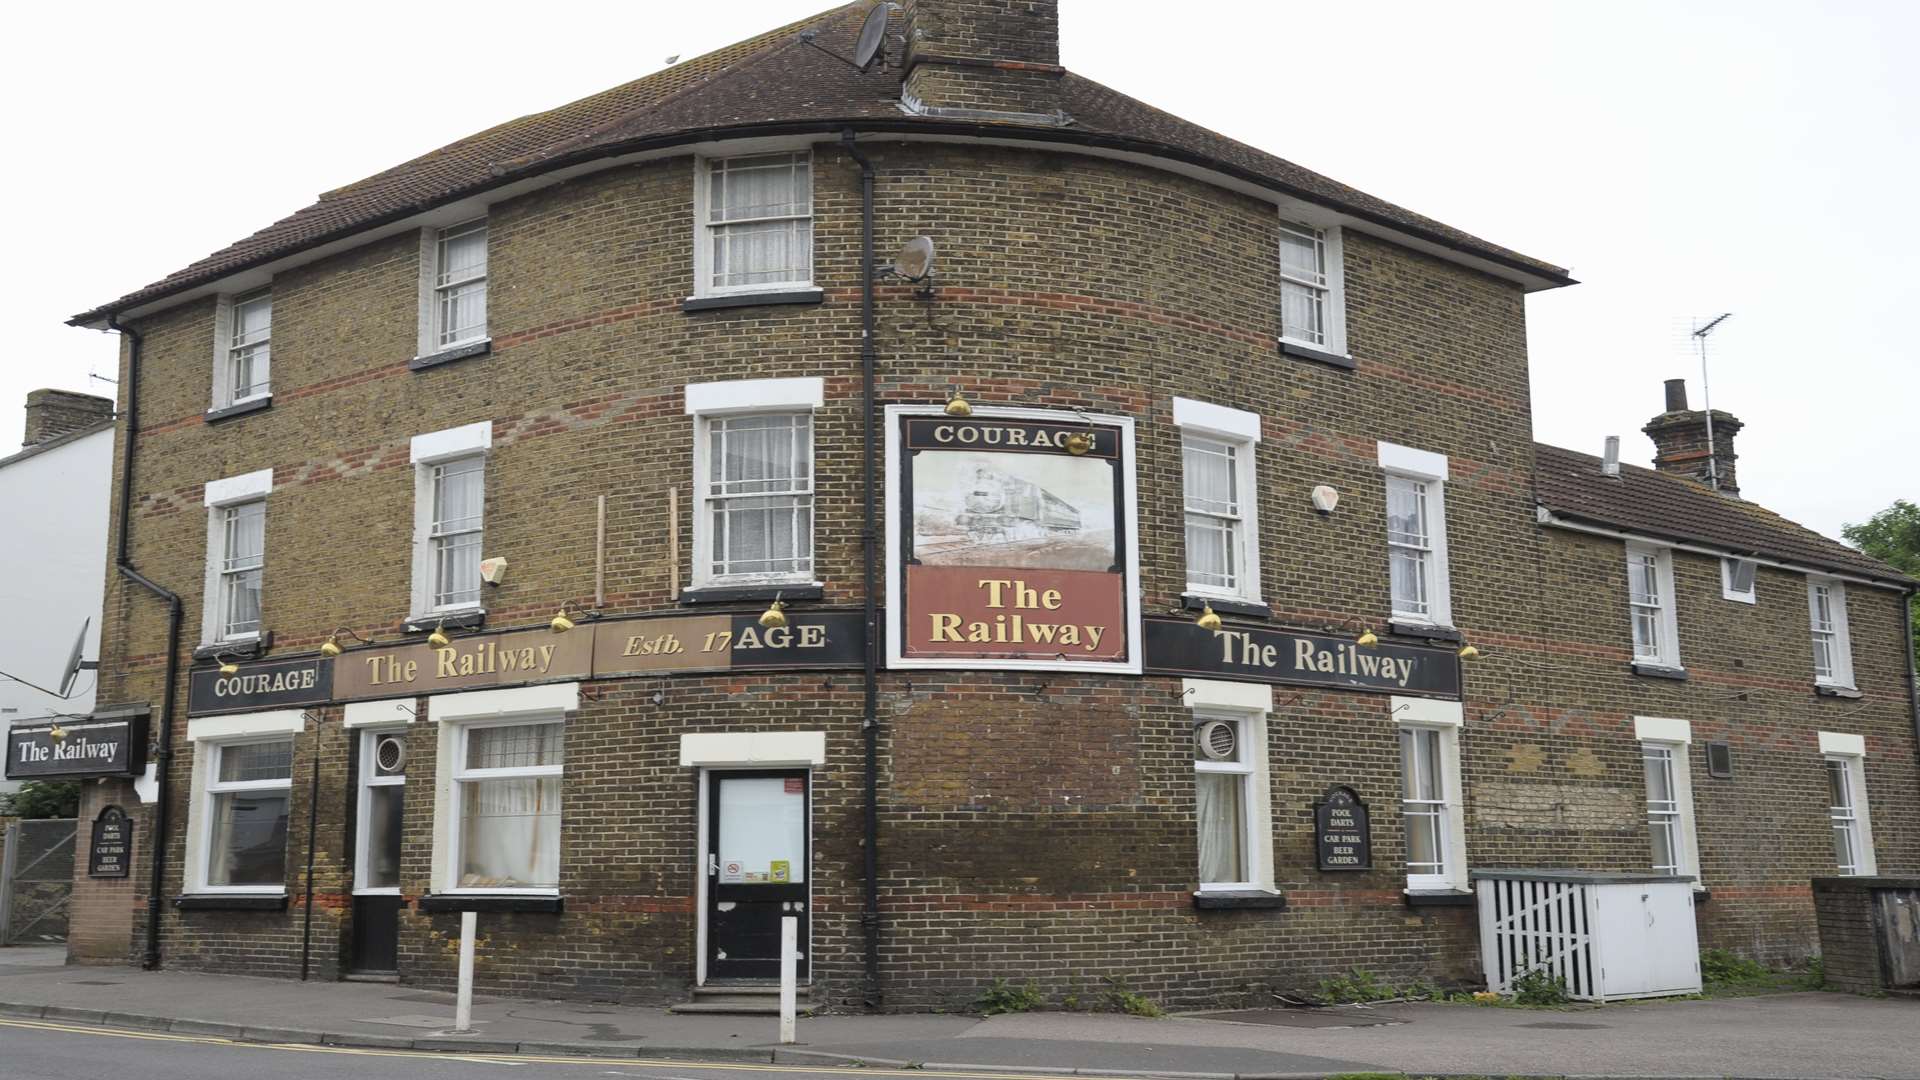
(890, 603)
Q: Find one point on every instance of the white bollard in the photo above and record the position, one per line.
(463, 1005)
(789, 953)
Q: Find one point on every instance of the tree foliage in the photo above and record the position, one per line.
(46, 799)
(1893, 537)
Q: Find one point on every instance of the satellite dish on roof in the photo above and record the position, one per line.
(915, 261)
(873, 33)
(74, 663)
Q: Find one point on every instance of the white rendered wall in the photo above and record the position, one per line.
(53, 567)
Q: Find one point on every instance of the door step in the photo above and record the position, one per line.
(742, 999)
(371, 976)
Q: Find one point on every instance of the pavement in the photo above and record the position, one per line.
(1777, 1036)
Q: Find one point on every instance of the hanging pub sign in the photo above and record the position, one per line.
(1343, 836)
(1289, 657)
(1010, 540)
(112, 747)
(111, 851)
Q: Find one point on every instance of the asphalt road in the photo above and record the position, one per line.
(45, 1050)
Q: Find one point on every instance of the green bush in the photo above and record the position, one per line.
(1126, 1001)
(46, 799)
(1540, 987)
(1004, 998)
(1719, 965)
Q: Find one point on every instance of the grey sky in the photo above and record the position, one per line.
(1681, 159)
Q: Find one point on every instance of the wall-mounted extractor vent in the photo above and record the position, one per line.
(389, 756)
(1217, 740)
(1720, 760)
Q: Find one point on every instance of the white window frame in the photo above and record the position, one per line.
(703, 228)
(432, 241)
(220, 496)
(1240, 431)
(427, 452)
(369, 737)
(1675, 739)
(707, 402)
(1850, 753)
(1727, 590)
(209, 735)
(1665, 618)
(1404, 464)
(1333, 288)
(454, 713)
(1839, 636)
(1247, 706)
(225, 309)
(1445, 718)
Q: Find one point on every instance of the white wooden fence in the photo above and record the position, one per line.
(1528, 925)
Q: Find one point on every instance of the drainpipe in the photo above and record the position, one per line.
(162, 754)
(869, 537)
(1913, 676)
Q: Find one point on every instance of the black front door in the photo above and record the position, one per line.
(758, 847)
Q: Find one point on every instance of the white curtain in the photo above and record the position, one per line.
(510, 833)
(1222, 832)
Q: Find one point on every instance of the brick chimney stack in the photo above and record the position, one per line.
(1680, 440)
(53, 413)
(992, 59)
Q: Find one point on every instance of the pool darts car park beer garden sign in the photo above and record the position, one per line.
(1006, 547)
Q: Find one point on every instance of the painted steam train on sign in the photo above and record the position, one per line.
(1002, 507)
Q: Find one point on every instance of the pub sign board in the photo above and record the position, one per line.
(77, 748)
(269, 684)
(111, 852)
(1006, 548)
(1259, 654)
(1343, 834)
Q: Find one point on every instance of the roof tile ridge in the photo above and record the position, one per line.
(777, 40)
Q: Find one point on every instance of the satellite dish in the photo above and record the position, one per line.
(915, 261)
(873, 33)
(74, 663)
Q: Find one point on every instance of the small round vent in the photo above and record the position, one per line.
(1217, 740)
(390, 756)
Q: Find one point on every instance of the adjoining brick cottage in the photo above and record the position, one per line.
(542, 531)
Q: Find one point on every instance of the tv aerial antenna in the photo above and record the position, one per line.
(1700, 334)
(868, 46)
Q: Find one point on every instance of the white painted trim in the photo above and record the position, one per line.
(361, 714)
(238, 489)
(1669, 604)
(222, 349)
(1662, 729)
(1429, 711)
(1220, 694)
(366, 741)
(1407, 461)
(146, 786)
(1835, 742)
(1548, 518)
(1727, 592)
(1842, 677)
(429, 269)
(246, 725)
(1258, 838)
(703, 244)
(1233, 424)
(1130, 521)
(754, 395)
(700, 826)
(736, 748)
(437, 446)
(506, 704)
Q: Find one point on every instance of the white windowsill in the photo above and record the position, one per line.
(501, 892)
(391, 891)
(236, 890)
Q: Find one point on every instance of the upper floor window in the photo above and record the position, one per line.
(1311, 302)
(460, 285)
(1737, 579)
(753, 480)
(236, 556)
(1417, 570)
(242, 348)
(756, 223)
(1832, 646)
(1656, 636)
(1217, 451)
(449, 514)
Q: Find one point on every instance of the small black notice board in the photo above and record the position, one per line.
(1343, 835)
(112, 848)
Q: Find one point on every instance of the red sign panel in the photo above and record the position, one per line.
(1015, 614)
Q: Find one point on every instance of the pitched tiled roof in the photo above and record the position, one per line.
(772, 81)
(1669, 507)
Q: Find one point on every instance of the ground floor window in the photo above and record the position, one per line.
(245, 812)
(383, 796)
(1846, 813)
(507, 798)
(1431, 811)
